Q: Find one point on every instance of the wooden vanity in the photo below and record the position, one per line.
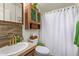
(29, 51)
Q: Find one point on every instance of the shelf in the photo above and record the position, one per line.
(9, 22)
(34, 25)
(35, 22)
(31, 20)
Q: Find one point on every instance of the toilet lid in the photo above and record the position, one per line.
(42, 49)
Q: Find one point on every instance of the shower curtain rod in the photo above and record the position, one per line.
(60, 9)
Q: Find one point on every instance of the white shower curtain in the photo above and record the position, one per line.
(58, 30)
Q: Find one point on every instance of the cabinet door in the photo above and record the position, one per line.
(10, 12)
(1, 11)
(19, 13)
(33, 15)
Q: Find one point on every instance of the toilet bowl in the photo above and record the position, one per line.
(42, 51)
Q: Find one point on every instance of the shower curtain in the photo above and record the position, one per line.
(58, 31)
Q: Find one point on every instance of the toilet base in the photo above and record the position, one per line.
(38, 54)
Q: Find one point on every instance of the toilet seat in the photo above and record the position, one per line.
(42, 50)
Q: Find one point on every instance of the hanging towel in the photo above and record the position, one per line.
(76, 41)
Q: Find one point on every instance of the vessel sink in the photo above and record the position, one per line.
(13, 49)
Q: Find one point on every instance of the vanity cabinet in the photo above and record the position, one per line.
(1, 11)
(11, 12)
(29, 51)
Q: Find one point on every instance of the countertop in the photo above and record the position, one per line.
(21, 53)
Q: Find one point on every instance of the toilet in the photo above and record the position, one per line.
(42, 51)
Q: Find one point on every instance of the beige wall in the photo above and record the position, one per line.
(28, 33)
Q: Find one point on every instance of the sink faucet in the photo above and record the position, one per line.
(12, 38)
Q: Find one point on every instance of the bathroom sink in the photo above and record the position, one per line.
(13, 49)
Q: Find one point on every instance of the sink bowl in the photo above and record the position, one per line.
(13, 49)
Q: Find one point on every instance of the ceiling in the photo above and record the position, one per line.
(44, 7)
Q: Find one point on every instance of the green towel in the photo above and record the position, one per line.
(76, 41)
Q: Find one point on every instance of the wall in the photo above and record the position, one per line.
(45, 7)
(5, 29)
(28, 33)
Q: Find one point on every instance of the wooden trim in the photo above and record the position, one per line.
(35, 22)
(4, 42)
(22, 13)
(31, 53)
(9, 22)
